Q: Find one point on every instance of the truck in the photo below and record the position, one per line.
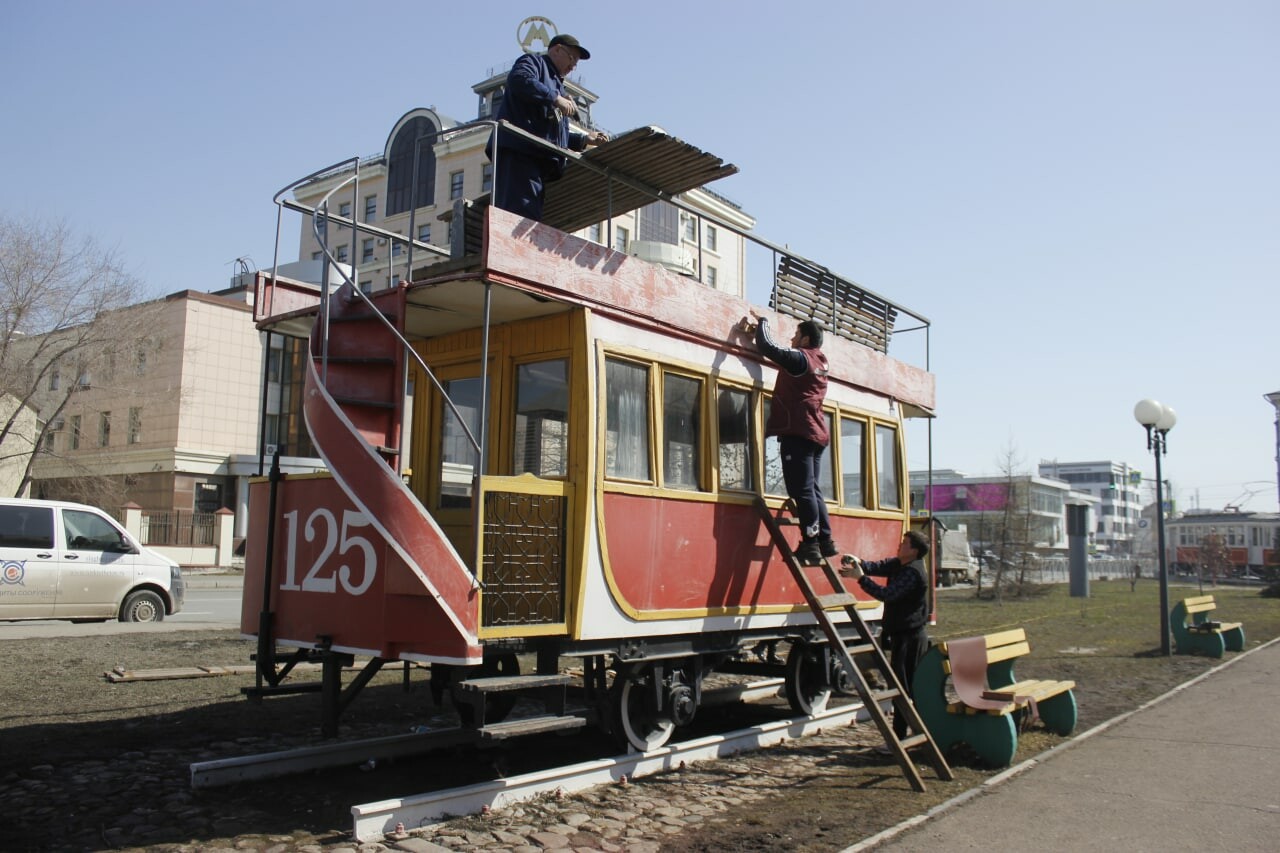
(956, 563)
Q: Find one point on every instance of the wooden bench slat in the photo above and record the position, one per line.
(1198, 599)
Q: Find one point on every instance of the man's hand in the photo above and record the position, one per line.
(566, 105)
(597, 137)
(851, 567)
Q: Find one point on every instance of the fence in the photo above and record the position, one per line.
(178, 528)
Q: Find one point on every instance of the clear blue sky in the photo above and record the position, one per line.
(1082, 195)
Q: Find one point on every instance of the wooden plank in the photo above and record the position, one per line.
(1197, 600)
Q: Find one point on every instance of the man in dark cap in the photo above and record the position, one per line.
(535, 101)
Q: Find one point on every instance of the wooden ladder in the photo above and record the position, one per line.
(865, 644)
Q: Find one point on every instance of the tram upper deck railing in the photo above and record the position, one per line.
(608, 186)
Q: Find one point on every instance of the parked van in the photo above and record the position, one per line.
(62, 560)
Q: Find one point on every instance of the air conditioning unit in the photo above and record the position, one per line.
(271, 450)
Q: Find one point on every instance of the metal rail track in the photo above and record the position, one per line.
(374, 821)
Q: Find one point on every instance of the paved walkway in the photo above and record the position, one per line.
(1198, 768)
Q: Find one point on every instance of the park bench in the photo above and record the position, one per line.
(987, 704)
(1194, 632)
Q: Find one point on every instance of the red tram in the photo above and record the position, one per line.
(541, 446)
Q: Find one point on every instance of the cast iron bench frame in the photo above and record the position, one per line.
(992, 733)
(1195, 633)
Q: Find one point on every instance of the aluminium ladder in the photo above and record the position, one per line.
(822, 605)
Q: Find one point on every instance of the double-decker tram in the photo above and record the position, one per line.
(540, 448)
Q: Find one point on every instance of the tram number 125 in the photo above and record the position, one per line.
(321, 525)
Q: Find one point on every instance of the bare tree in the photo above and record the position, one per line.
(1215, 557)
(1009, 528)
(61, 330)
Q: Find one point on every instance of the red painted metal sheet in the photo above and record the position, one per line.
(333, 578)
(667, 554)
(518, 249)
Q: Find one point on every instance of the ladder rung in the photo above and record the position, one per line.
(913, 741)
(860, 649)
(881, 695)
(837, 599)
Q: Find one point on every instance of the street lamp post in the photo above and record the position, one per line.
(1158, 420)
(1274, 399)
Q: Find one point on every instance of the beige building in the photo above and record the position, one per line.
(178, 427)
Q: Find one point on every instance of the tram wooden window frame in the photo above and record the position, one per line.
(754, 443)
(658, 422)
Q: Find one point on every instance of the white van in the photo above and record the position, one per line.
(63, 560)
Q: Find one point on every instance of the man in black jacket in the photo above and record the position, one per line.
(906, 607)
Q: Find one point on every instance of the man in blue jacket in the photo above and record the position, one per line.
(534, 101)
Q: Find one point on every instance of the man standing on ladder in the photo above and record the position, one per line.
(906, 609)
(797, 419)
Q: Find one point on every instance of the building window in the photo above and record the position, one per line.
(626, 421)
(315, 256)
(542, 419)
(593, 233)
(366, 250)
(681, 425)
(135, 425)
(344, 209)
(424, 233)
(49, 438)
(621, 238)
(690, 228)
(734, 411)
(55, 379)
(486, 178)
(370, 208)
(711, 237)
(366, 286)
(104, 429)
(412, 151)
(75, 432)
(455, 184)
(396, 250)
(711, 276)
(83, 380)
(341, 254)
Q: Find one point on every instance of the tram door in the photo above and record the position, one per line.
(523, 504)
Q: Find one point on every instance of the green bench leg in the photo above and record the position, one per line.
(1058, 713)
(1234, 639)
(994, 738)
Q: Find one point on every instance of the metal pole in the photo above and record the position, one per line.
(1158, 449)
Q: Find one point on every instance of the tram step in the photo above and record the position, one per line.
(372, 404)
(507, 683)
(838, 599)
(529, 726)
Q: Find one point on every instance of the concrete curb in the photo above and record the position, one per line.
(1022, 767)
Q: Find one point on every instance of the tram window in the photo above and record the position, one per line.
(852, 437)
(457, 454)
(626, 420)
(773, 482)
(827, 475)
(681, 421)
(542, 419)
(887, 467)
(734, 408)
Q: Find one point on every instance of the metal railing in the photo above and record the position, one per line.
(181, 528)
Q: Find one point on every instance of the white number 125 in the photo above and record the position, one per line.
(322, 523)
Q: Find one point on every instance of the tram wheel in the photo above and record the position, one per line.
(808, 683)
(635, 720)
(498, 706)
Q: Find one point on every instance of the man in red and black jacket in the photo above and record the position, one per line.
(797, 419)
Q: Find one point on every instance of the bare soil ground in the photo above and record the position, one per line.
(62, 724)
